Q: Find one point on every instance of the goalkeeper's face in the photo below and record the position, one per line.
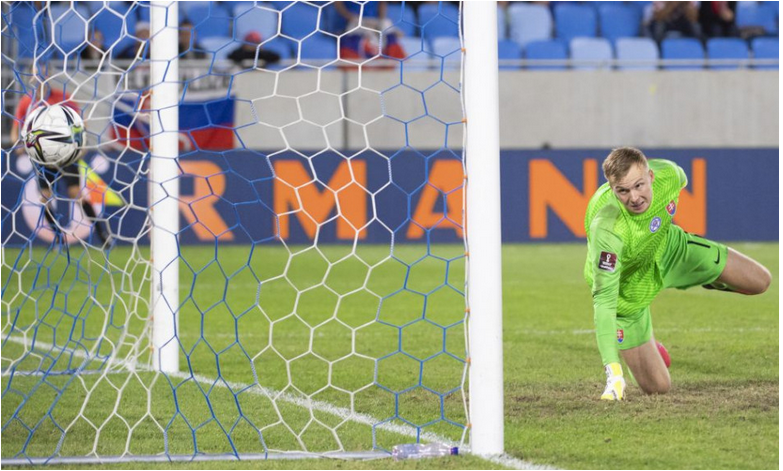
(634, 190)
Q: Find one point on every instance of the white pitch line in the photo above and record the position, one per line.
(341, 412)
(514, 463)
(344, 413)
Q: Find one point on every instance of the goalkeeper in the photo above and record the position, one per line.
(47, 178)
(634, 251)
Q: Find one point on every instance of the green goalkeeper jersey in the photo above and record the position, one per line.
(624, 251)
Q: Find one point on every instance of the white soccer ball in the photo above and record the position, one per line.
(53, 135)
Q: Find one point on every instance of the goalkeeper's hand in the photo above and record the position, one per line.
(615, 384)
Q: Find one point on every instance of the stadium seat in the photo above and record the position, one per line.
(330, 20)
(92, 7)
(318, 50)
(618, 20)
(766, 48)
(727, 48)
(529, 22)
(282, 5)
(418, 55)
(109, 22)
(299, 20)
(448, 50)
(143, 11)
(684, 49)
(599, 4)
(596, 51)
(123, 7)
(510, 51)
(262, 19)
(629, 50)
(209, 20)
(546, 50)
(402, 16)
(69, 26)
(575, 20)
(438, 19)
(761, 14)
(21, 22)
(221, 47)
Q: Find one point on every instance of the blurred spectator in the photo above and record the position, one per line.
(675, 19)
(372, 16)
(188, 42)
(377, 35)
(95, 48)
(251, 48)
(718, 19)
(140, 46)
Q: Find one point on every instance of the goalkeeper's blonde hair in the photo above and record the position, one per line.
(621, 160)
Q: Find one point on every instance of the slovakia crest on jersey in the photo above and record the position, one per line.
(655, 224)
(671, 208)
(620, 335)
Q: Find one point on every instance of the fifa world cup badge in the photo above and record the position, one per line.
(620, 336)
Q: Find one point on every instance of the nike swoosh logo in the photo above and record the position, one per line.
(718, 260)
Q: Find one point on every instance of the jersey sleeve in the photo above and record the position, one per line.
(683, 177)
(606, 252)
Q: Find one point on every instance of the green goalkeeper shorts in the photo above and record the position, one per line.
(689, 261)
(634, 330)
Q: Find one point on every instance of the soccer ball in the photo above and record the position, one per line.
(53, 135)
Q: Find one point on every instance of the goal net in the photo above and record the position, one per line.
(294, 286)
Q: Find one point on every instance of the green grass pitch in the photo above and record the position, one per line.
(721, 413)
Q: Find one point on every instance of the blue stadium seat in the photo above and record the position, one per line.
(69, 26)
(299, 20)
(575, 20)
(262, 19)
(331, 21)
(144, 11)
(727, 48)
(92, 7)
(682, 48)
(599, 4)
(529, 22)
(417, 53)
(762, 14)
(282, 5)
(122, 7)
(636, 49)
(403, 18)
(597, 51)
(546, 50)
(438, 19)
(448, 51)
(318, 50)
(618, 20)
(509, 50)
(109, 22)
(766, 48)
(221, 47)
(21, 22)
(209, 20)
